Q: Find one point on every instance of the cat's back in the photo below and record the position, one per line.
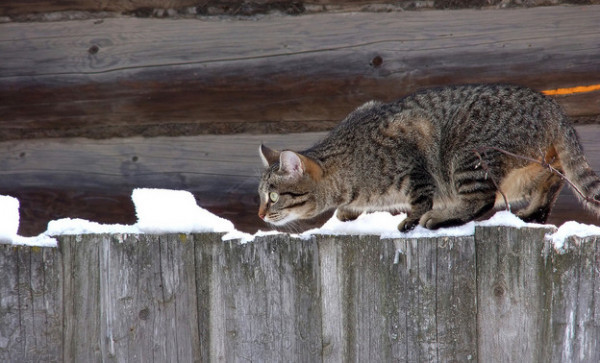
(448, 118)
(454, 103)
(467, 117)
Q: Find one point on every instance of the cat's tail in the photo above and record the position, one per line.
(580, 176)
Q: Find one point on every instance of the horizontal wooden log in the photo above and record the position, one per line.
(503, 293)
(47, 10)
(129, 76)
(8, 8)
(93, 179)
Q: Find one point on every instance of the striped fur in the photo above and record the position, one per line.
(439, 154)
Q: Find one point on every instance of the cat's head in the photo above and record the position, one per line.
(288, 187)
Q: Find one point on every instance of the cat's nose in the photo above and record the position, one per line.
(262, 212)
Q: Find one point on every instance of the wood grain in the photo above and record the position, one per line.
(41, 10)
(46, 10)
(512, 293)
(575, 310)
(275, 317)
(130, 76)
(9, 8)
(132, 299)
(408, 298)
(31, 311)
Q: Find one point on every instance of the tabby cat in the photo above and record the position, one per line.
(440, 154)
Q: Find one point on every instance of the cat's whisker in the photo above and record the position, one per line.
(295, 228)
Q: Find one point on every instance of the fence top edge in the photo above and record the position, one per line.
(550, 232)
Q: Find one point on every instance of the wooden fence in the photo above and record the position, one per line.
(501, 295)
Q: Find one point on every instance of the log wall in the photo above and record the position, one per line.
(124, 76)
(44, 10)
(503, 294)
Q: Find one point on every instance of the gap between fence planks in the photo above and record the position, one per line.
(503, 293)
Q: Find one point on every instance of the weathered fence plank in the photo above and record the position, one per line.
(502, 294)
(512, 293)
(31, 301)
(429, 304)
(456, 305)
(575, 314)
(133, 299)
(264, 301)
(356, 291)
(82, 308)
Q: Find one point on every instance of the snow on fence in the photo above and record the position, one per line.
(501, 294)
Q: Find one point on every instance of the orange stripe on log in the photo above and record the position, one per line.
(568, 91)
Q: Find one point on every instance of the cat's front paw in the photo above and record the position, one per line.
(407, 224)
(346, 215)
(436, 218)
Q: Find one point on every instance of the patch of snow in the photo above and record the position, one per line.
(9, 218)
(244, 237)
(568, 229)
(397, 256)
(376, 223)
(41, 240)
(158, 211)
(9, 226)
(68, 226)
(503, 218)
(385, 225)
(467, 229)
(174, 211)
(507, 219)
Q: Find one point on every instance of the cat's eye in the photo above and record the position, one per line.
(274, 197)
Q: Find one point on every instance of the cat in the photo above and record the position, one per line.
(439, 154)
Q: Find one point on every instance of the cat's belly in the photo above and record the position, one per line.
(399, 202)
(393, 201)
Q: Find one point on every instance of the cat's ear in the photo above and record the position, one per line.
(268, 155)
(291, 164)
(296, 165)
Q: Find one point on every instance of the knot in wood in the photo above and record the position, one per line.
(376, 61)
(144, 314)
(499, 291)
(94, 49)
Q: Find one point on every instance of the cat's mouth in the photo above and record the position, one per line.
(279, 219)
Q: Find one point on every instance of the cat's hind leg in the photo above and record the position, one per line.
(462, 213)
(475, 195)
